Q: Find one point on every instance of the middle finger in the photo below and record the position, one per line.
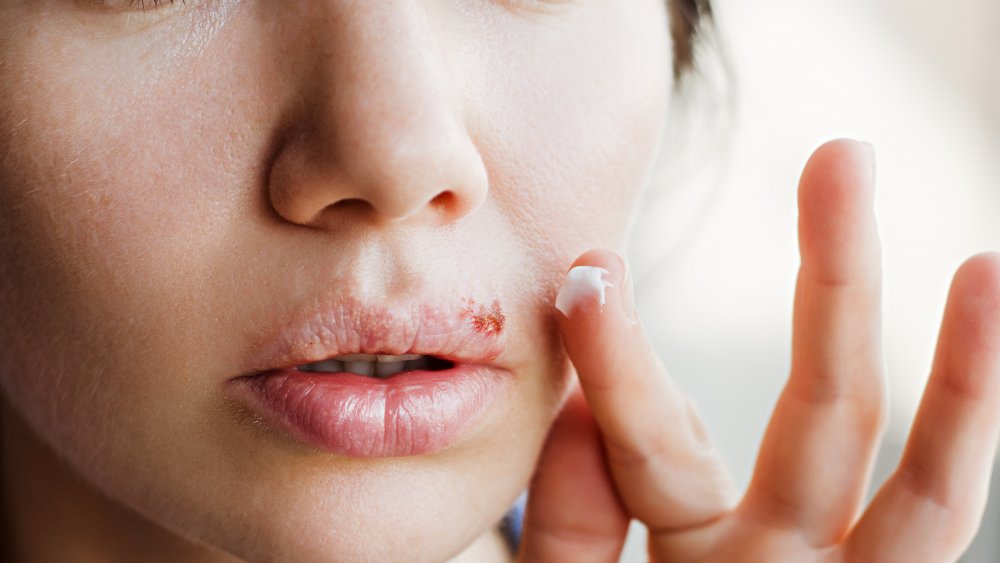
(817, 454)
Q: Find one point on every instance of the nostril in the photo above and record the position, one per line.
(450, 204)
(354, 205)
(444, 201)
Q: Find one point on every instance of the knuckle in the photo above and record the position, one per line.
(865, 389)
(636, 452)
(655, 445)
(959, 385)
(921, 482)
(581, 531)
(956, 517)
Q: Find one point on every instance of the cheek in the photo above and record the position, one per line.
(116, 179)
(126, 166)
(570, 122)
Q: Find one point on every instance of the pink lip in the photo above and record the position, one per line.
(410, 413)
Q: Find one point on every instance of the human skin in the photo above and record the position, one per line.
(176, 183)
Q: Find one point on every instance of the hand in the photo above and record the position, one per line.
(632, 446)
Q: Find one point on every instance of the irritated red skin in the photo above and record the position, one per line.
(487, 320)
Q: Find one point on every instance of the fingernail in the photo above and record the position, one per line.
(628, 294)
(581, 284)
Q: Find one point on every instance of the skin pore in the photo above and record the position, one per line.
(175, 183)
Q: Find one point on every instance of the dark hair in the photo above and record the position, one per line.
(687, 19)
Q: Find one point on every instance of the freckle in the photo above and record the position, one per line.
(489, 320)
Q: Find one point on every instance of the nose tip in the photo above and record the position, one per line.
(441, 176)
(437, 181)
(387, 144)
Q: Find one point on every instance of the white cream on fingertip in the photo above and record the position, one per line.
(582, 283)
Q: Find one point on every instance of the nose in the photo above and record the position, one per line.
(381, 135)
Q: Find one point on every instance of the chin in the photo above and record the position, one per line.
(425, 508)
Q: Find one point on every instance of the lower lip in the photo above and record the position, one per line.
(410, 413)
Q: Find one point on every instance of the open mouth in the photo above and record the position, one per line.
(362, 379)
(377, 365)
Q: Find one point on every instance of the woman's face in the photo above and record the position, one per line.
(202, 191)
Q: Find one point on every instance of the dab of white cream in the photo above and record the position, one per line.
(582, 282)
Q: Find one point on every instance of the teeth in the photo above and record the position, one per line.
(377, 365)
(360, 368)
(399, 358)
(385, 369)
(376, 357)
(420, 363)
(326, 365)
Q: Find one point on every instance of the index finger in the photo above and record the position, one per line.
(667, 473)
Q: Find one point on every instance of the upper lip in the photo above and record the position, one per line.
(452, 330)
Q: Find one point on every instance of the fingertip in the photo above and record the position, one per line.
(574, 422)
(597, 321)
(837, 170)
(838, 234)
(975, 293)
(968, 354)
(597, 280)
(573, 506)
(601, 257)
(843, 150)
(980, 271)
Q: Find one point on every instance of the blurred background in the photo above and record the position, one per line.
(715, 252)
